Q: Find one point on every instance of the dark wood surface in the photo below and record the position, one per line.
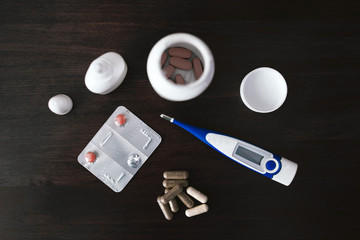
(46, 48)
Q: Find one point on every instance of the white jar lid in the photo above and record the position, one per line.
(263, 90)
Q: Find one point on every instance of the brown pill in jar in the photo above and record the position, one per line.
(172, 193)
(163, 58)
(179, 79)
(169, 183)
(197, 67)
(180, 52)
(169, 70)
(180, 63)
(176, 174)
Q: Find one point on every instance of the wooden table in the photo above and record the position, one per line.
(46, 48)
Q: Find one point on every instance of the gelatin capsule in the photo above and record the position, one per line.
(176, 174)
(171, 194)
(203, 208)
(169, 183)
(180, 52)
(197, 67)
(179, 79)
(169, 70)
(186, 199)
(180, 63)
(174, 207)
(165, 209)
(197, 194)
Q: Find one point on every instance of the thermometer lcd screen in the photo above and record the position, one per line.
(249, 155)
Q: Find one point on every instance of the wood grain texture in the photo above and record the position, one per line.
(46, 48)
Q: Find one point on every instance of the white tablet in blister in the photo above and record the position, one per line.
(119, 149)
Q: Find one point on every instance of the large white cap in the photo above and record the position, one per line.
(106, 73)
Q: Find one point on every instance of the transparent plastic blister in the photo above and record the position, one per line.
(120, 150)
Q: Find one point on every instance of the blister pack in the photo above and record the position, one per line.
(119, 149)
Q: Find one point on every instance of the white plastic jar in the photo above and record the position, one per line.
(168, 89)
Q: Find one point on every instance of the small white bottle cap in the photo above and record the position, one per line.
(60, 104)
(263, 90)
(106, 73)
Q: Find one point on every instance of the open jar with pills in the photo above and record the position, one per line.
(180, 67)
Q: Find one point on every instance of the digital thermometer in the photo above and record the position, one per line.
(266, 163)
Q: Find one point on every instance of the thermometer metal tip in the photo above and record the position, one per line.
(170, 119)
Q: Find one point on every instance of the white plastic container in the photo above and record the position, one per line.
(106, 73)
(168, 89)
(263, 90)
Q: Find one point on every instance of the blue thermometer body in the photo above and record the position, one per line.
(264, 162)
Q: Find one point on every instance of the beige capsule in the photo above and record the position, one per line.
(203, 208)
(165, 209)
(171, 194)
(186, 199)
(197, 194)
(176, 174)
(174, 207)
(169, 183)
